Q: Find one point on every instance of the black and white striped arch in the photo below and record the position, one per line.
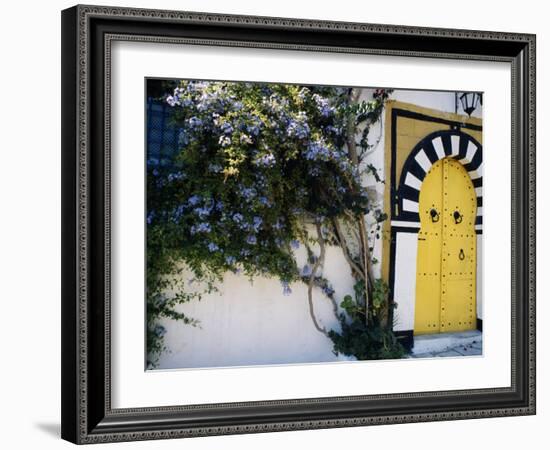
(436, 146)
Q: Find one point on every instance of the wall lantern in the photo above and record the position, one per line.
(469, 101)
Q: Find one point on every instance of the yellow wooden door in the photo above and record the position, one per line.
(446, 258)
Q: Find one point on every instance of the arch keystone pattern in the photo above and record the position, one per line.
(434, 147)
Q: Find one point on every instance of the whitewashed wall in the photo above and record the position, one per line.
(405, 280)
(247, 324)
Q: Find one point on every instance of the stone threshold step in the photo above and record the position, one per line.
(429, 343)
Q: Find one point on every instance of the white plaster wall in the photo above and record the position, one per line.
(249, 323)
(442, 101)
(405, 280)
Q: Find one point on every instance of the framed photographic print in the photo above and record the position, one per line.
(281, 224)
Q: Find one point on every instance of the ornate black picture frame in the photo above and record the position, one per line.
(87, 34)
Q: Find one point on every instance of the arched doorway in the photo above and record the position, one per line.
(446, 255)
(413, 149)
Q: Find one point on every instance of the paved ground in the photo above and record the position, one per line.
(473, 349)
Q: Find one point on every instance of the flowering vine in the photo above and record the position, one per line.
(262, 169)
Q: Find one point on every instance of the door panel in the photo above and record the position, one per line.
(446, 259)
(428, 262)
(458, 262)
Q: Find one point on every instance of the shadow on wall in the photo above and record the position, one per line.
(254, 323)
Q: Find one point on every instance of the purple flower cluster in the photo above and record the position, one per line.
(333, 130)
(177, 214)
(183, 138)
(328, 290)
(209, 100)
(204, 211)
(264, 201)
(203, 227)
(215, 168)
(261, 182)
(298, 129)
(267, 160)
(248, 192)
(286, 288)
(306, 271)
(323, 105)
(152, 162)
(253, 130)
(172, 100)
(176, 176)
(227, 128)
(257, 223)
(317, 151)
(160, 330)
(345, 165)
(178, 99)
(194, 123)
(194, 200)
(212, 247)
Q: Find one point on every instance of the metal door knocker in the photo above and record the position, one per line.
(461, 255)
(434, 215)
(457, 216)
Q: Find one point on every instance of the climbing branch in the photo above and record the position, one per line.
(360, 221)
(313, 278)
(322, 254)
(320, 260)
(345, 250)
(351, 128)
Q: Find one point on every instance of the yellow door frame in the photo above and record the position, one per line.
(407, 126)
